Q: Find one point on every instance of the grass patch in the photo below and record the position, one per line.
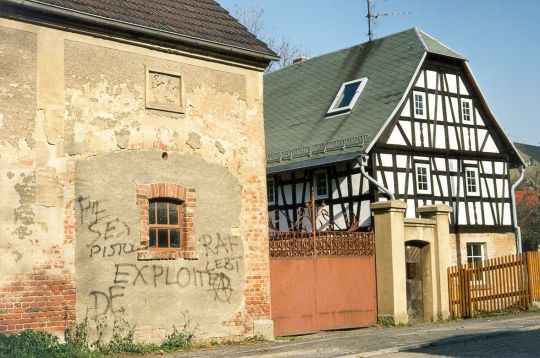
(38, 344)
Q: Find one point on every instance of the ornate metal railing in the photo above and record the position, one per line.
(329, 243)
(291, 244)
(343, 243)
(308, 151)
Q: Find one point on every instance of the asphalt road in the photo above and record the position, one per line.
(504, 336)
(519, 344)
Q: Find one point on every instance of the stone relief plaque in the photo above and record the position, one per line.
(164, 91)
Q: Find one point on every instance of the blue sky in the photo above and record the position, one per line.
(500, 38)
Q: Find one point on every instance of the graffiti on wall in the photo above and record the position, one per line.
(105, 230)
(109, 236)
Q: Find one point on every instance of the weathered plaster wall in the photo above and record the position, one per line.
(75, 130)
(156, 293)
(105, 101)
(36, 281)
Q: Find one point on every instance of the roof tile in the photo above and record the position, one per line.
(202, 19)
(297, 98)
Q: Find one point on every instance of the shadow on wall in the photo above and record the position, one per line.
(496, 344)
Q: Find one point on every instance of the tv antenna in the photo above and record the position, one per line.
(371, 17)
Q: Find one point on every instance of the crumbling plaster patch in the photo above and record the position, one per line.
(17, 85)
(220, 147)
(24, 213)
(194, 141)
(105, 95)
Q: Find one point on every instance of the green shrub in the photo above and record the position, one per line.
(122, 340)
(178, 340)
(38, 344)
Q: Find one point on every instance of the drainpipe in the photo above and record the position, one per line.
(362, 159)
(517, 229)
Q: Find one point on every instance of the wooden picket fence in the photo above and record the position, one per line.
(533, 271)
(501, 283)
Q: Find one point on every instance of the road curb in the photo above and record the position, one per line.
(392, 350)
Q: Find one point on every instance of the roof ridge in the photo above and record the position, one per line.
(421, 33)
(417, 31)
(340, 50)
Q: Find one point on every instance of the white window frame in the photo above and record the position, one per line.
(428, 175)
(424, 105)
(316, 184)
(333, 111)
(471, 119)
(270, 184)
(482, 257)
(467, 170)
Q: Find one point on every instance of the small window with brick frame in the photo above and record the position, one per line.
(165, 223)
(167, 228)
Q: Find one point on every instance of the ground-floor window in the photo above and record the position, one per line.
(476, 255)
(167, 227)
(166, 223)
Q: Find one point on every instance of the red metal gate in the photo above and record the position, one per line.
(321, 281)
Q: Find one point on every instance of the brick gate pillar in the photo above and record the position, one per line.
(390, 260)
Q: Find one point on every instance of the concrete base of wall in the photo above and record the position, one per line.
(264, 328)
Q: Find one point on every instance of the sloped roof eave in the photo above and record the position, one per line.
(490, 113)
(400, 103)
(138, 28)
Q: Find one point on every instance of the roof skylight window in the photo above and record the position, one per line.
(346, 97)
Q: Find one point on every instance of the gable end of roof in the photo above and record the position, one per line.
(432, 45)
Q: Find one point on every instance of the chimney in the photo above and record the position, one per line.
(300, 59)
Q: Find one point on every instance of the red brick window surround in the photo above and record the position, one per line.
(166, 214)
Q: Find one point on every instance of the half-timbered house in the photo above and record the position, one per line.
(400, 117)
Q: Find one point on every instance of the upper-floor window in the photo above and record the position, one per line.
(466, 110)
(270, 191)
(472, 184)
(346, 97)
(423, 178)
(419, 99)
(321, 184)
(165, 227)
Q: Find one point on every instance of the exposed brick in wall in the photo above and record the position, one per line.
(257, 289)
(45, 299)
(168, 191)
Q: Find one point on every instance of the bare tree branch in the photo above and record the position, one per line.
(528, 208)
(252, 19)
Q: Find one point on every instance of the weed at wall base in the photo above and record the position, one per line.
(38, 344)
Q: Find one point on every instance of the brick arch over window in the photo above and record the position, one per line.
(167, 191)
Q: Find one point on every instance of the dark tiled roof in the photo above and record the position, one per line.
(297, 97)
(532, 151)
(201, 19)
(436, 47)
